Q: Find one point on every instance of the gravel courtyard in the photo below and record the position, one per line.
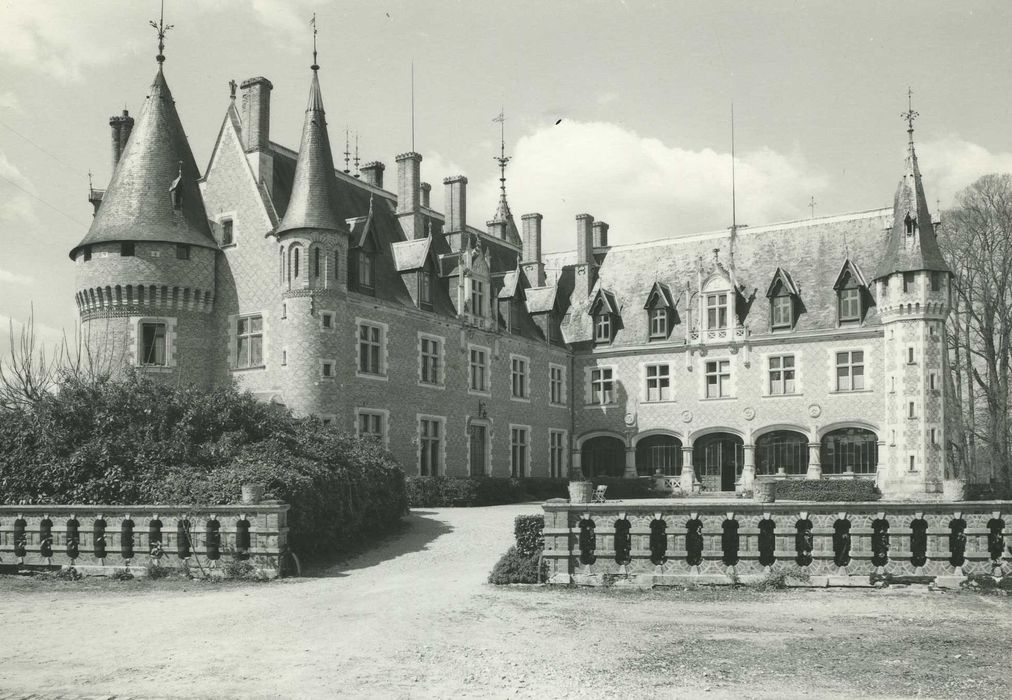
(415, 618)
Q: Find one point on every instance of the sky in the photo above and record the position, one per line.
(617, 108)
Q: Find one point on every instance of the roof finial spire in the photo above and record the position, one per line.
(315, 65)
(502, 158)
(910, 115)
(162, 29)
(347, 150)
(356, 160)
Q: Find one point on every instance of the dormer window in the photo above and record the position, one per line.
(365, 271)
(908, 281)
(716, 310)
(658, 323)
(226, 232)
(784, 299)
(660, 311)
(477, 297)
(851, 293)
(850, 305)
(783, 312)
(424, 289)
(602, 328)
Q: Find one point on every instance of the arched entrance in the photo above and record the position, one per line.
(849, 449)
(659, 452)
(781, 449)
(602, 456)
(717, 459)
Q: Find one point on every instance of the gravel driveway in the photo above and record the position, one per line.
(414, 618)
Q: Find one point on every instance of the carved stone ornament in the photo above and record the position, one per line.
(630, 418)
(687, 416)
(815, 410)
(749, 413)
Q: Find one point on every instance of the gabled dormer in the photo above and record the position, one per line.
(604, 311)
(417, 267)
(542, 305)
(853, 298)
(510, 300)
(362, 253)
(660, 308)
(785, 301)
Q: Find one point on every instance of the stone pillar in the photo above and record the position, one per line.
(630, 463)
(748, 469)
(688, 473)
(814, 466)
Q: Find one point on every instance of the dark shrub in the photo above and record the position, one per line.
(136, 440)
(827, 490)
(987, 492)
(529, 533)
(515, 567)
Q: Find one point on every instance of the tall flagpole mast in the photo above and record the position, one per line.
(412, 105)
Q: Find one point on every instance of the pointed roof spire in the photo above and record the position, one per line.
(503, 211)
(312, 203)
(156, 170)
(161, 28)
(911, 243)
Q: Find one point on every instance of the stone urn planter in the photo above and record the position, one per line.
(764, 491)
(953, 490)
(252, 494)
(581, 491)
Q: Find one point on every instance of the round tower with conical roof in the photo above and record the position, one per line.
(145, 269)
(912, 287)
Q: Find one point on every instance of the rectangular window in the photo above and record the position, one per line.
(936, 281)
(226, 232)
(908, 281)
(602, 388)
(850, 370)
(910, 410)
(912, 463)
(718, 379)
(783, 312)
(934, 437)
(931, 380)
(327, 369)
(365, 270)
(658, 382)
(479, 369)
(556, 453)
(659, 323)
(249, 341)
(371, 424)
(556, 384)
(850, 304)
(910, 356)
(430, 446)
(87, 253)
(182, 251)
(430, 352)
(602, 328)
(284, 357)
(782, 375)
(425, 289)
(518, 452)
(716, 311)
(477, 297)
(518, 374)
(153, 344)
(327, 320)
(126, 250)
(370, 349)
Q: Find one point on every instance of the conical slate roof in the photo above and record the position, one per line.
(908, 252)
(312, 204)
(138, 204)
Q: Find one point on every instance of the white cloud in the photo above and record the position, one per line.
(435, 167)
(950, 164)
(644, 188)
(15, 278)
(15, 204)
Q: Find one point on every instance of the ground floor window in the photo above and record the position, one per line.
(781, 449)
(430, 446)
(602, 456)
(849, 449)
(556, 453)
(152, 344)
(659, 453)
(519, 437)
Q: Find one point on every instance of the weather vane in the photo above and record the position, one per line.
(315, 65)
(502, 159)
(910, 114)
(162, 29)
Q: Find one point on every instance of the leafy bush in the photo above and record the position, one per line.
(68, 574)
(157, 572)
(136, 440)
(987, 492)
(516, 567)
(827, 490)
(121, 575)
(529, 533)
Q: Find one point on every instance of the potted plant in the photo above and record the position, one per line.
(764, 490)
(580, 490)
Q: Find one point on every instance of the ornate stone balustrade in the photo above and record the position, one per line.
(664, 542)
(97, 539)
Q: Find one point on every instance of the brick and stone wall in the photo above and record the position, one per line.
(94, 539)
(677, 543)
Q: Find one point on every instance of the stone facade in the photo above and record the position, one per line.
(711, 358)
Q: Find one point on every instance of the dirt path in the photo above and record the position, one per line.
(415, 618)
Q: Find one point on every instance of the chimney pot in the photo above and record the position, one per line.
(425, 194)
(600, 234)
(373, 173)
(584, 239)
(256, 113)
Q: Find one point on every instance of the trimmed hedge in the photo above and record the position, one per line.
(138, 441)
(444, 491)
(529, 533)
(520, 562)
(827, 490)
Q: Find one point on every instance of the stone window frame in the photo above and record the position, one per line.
(220, 220)
(384, 345)
(134, 341)
(527, 432)
(563, 391)
(487, 391)
(768, 359)
(866, 365)
(324, 364)
(591, 394)
(645, 368)
(233, 340)
(333, 318)
(441, 421)
(730, 384)
(384, 415)
(441, 360)
(563, 470)
(525, 378)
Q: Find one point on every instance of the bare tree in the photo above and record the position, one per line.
(977, 240)
(29, 372)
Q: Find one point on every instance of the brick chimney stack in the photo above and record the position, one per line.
(256, 113)
(409, 175)
(425, 195)
(373, 173)
(121, 125)
(600, 234)
(585, 267)
(533, 266)
(456, 203)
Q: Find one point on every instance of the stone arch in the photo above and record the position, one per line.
(602, 454)
(773, 427)
(785, 448)
(591, 434)
(849, 449)
(718, 457)
(658, 451)
(823, 430)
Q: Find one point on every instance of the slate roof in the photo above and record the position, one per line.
(311, 203)
(920, 251)
(137, 205)
(811, 252)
